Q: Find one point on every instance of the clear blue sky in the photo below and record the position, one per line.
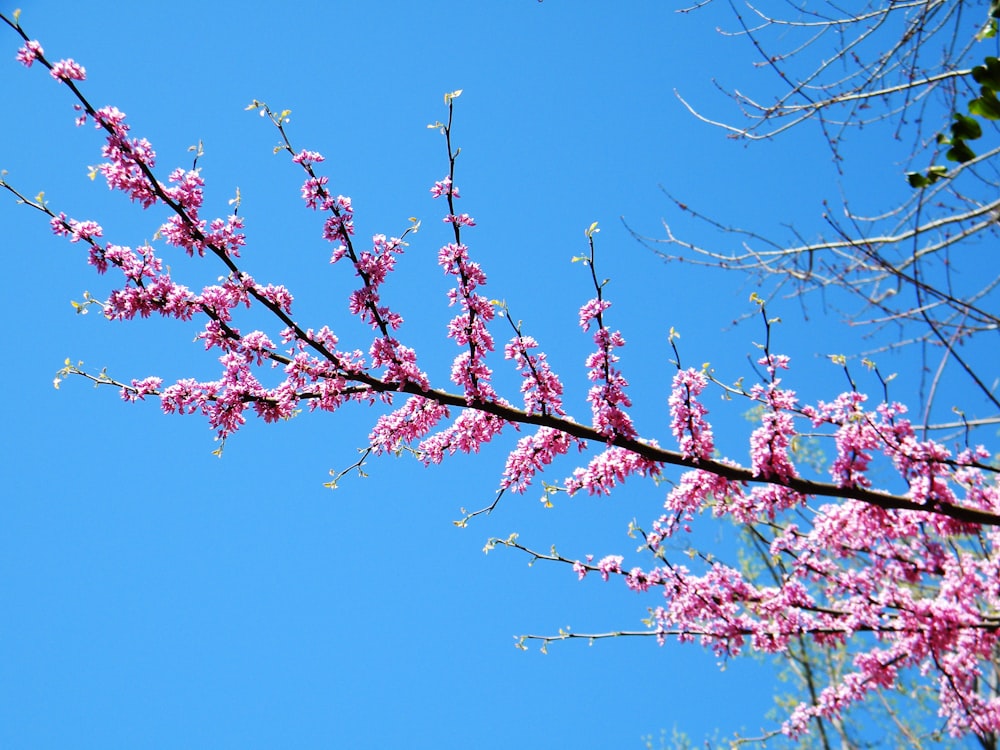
(157, 596)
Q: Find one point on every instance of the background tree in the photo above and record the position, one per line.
(719, 606)
(921, 79)
(900, 262)
(898, 71)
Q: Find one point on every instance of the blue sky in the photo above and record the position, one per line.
(157, 596)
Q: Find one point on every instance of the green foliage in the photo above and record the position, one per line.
(988, 78)
(922, 180)
(962, 130)
(966, 128)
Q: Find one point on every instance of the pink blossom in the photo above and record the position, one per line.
(467, 434)
(67, 70)
(592, 311)
(142, 388)
(279, 296)
(225, 235)
(770, 444)
(541, 388)
(468, 328)
(186, 190)
(693, 433)
(410, 423)
(610, 564)
(338, 227)
(276, 404)
(695, 490)
(463, 220)
(257, 346)
(84, 230)
(400, 362)
(187, 396)
(314, 190)
(774, 362)
(29, 53)
(532, 454)
(608, 469)
(308, 158)
(444, 187)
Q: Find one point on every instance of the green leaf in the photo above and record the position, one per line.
(986, 105)
(965, 128)
(988, 74)
(960, 152)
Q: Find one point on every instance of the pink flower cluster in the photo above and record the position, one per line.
(444, 188)
(64, 70)
(30, 52)
(147, 288)
(912, 577)
(771, 442)
(541, 388)
(693, 433)
(308, 158)
(129, 160)
(532, 454)
(68, 70)
(373, 267)
(607, 396)
(468, 328)
(406, 425)
(610, 468)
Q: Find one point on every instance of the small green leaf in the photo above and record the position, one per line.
(988, 74)
(960, 152)
(920, 180)
(986, 105)
(965, 128)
